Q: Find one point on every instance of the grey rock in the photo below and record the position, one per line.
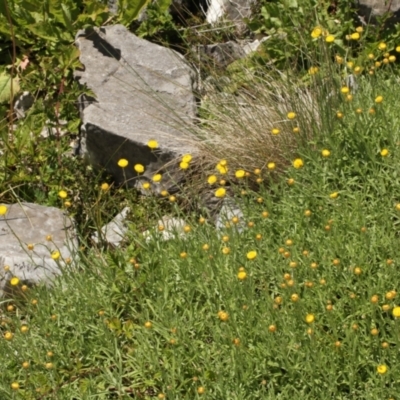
(230, 208)
(143, 91)
(369, 10)
(22, 104)
(173, 227)
(27, 223)
(233, 10)
(114, 232)
(223, 53)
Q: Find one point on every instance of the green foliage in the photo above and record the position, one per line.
(7, 86)
(287, 22)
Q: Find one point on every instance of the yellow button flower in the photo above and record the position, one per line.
(339, 59)
(240, 173)
(334, 195)
(355, 36)
(14, 281)
(157, 178)
(345, 90)
(187, 158)
(146, 185)
(382, 46)
(184, 165)
(384, 152)
(396, 312)
(310, 318)
(275, 131)
(212, 179)
(291, 115)
(123, 163)
(251, 255)
(62, 194)
(298, 163)
(139, 168)
(271, 166)
(316, 32)
(222, 168)
(330, 39)
(313, 70)
(55, 255)
(381, 369)
(3, 209)
(242, 275)
(153, 144)
(223, 316)
(325, 153)
(379, 99)
(221, 192)
(104, 187)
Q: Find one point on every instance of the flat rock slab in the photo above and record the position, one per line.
(31, 224)
(143, 91)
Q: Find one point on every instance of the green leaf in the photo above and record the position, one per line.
(130, 10)
(5, 87)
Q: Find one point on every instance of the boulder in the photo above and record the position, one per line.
(142, 91)
(114, 232)
(369, 10)
(167, 228)
(49, 230)
(233, 10)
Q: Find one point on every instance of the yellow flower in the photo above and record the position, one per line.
(153, 144)
(8, 335)
(187, 158)
(325, 153)
(146, 185)
(330, 39)
(359, 29)
(240, 173)
(251, 255)
(291, 115)
(221, 192)
(345, 90)
(379, 99)
(296, 129)
(398, 49)
(164, 193)
(14, 281)
(355, 36)
(148, 325)
(271, 165)
(222, 168)
(310, 318)
(381, 369)
(139, 168)
(275, 131)
(62, 194)
(313, 70)
(334, 195)
(3, 210)
(55, 255)
(396, 312)
(15, 386)
(339, 59)
(384, 152)
(223, 316)
(226, 250)
(290, 181)
(104, 186)
(339, 115)
(157, 178)
(242, 275)
(350, 64)
(123, 163)
(298, 163)
(212, 179)
(316, 32)
(382, 46)
(184, 165)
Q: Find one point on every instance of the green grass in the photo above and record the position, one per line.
(144, 321)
